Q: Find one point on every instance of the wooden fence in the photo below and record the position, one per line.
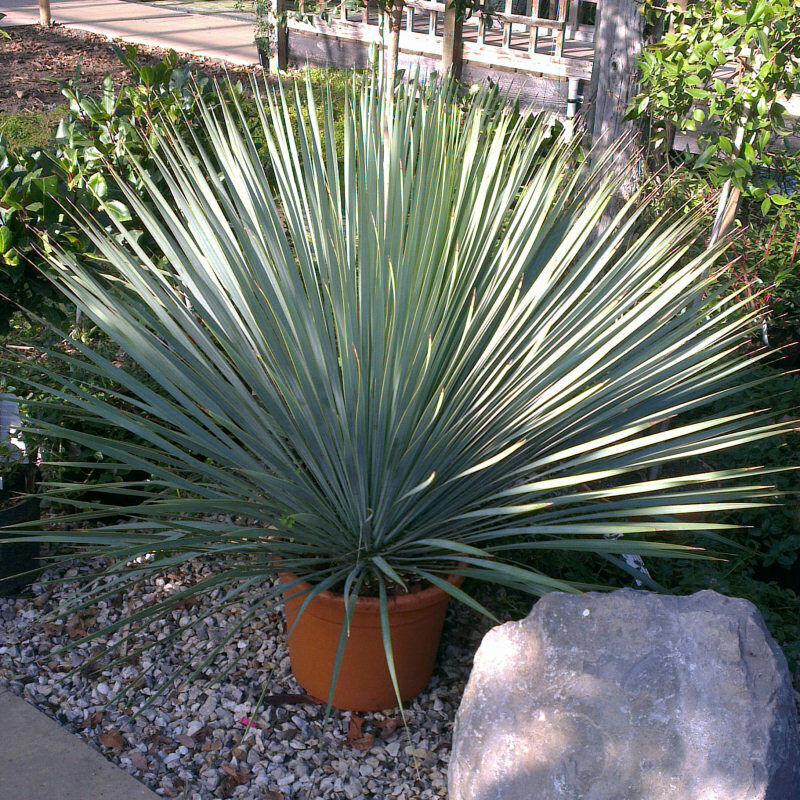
(544, 55)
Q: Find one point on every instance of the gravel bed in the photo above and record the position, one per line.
(192, 742)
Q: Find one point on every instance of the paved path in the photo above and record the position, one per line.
(226, 38)
(39, 760)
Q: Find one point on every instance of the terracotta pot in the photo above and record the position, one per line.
(364, 684)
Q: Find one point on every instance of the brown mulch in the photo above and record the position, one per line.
(34, 59)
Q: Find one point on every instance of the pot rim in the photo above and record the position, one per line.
(427, 596)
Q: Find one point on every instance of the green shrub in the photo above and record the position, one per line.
(99, 136)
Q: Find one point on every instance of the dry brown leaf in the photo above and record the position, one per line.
(387, 726)
(111, 739)
(186, 741)
(75, 627)
(354, 728)
(271, 795)
(290, 699)
(93, 720)
(139, 760)
(227, 786)
(202, 734)
(356, 737)
(212, 746)
(363, 744)
(173, 787)
(240, 774)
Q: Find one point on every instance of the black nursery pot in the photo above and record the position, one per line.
(262, 46)
(16, 558)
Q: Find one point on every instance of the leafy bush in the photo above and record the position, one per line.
(99, 136)
(766, 256)
(62, 461)
(723, 70)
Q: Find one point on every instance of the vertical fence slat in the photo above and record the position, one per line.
(409, 18)
(431, 23)
(572, 18)
(343, 10)
(508, 8)
(532, 10)
(561, 18)
(481, 28)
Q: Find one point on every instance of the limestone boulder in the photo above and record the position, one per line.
(628, 696)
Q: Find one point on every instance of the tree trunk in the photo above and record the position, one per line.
(451, 44)
(618, 41)
(44, 13)
(394, 20)
(278, 46)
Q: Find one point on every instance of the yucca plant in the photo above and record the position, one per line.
(409, 358)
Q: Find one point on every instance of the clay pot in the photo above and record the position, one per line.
(364, 683)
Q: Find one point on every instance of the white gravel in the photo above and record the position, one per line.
(191, 744)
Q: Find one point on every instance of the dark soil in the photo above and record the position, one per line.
(35, 59)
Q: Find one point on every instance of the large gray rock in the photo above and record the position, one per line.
(628, 696)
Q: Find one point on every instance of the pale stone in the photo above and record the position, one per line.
(628, 696)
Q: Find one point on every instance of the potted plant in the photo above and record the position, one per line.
(396, 366)
(18, 475)
(267, 36)
(364, 679)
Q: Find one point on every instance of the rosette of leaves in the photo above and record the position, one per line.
(410, 358)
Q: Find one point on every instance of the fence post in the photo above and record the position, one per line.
(573, 19)
(619, 37)
(279, 45)
(452, 50)
(44, 13)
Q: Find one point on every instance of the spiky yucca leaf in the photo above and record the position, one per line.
(399, 360)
